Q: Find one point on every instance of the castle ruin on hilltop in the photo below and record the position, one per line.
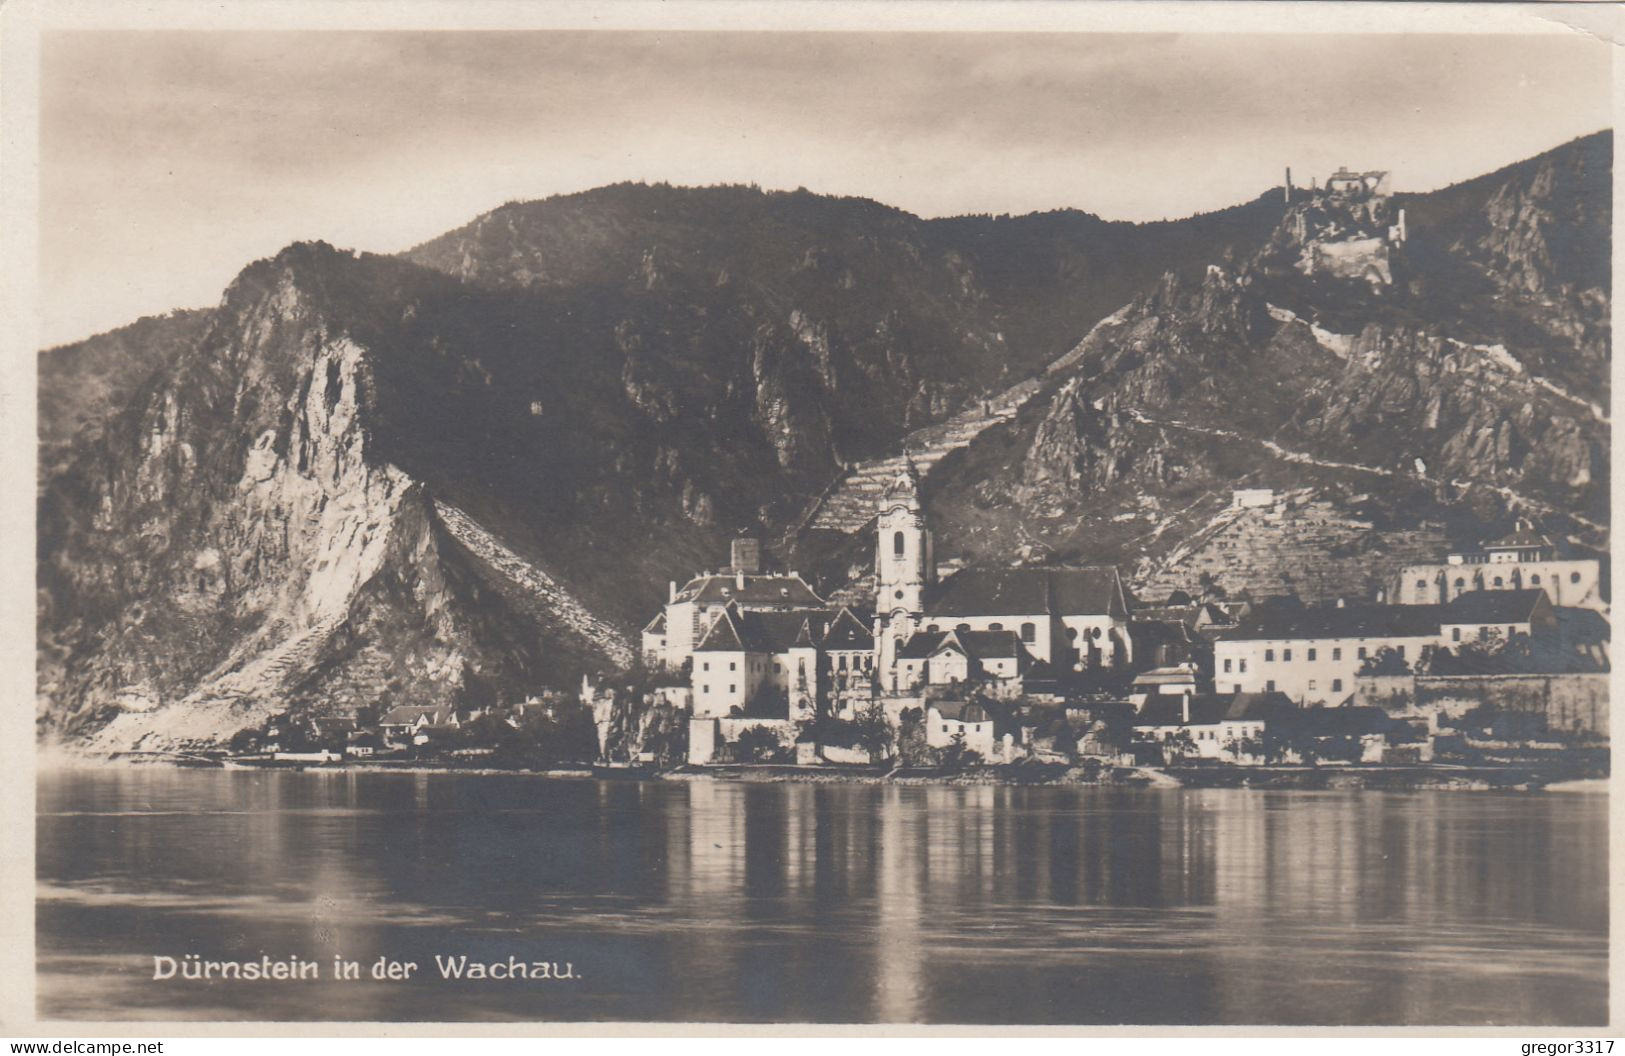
(1348, 229)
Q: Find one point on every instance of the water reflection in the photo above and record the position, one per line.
(743, 902)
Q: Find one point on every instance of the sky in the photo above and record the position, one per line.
(169, 160)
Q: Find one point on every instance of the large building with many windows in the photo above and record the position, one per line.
(1313, 654)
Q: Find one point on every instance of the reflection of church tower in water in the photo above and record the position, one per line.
(904, 566)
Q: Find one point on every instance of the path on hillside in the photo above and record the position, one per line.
(547, 592)
(1288, 455)
(850, 504)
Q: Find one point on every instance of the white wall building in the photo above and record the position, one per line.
(1523, 560)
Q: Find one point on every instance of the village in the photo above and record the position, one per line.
(1493, 660)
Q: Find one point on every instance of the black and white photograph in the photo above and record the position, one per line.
(992, 517)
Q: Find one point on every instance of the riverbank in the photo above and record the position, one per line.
(1308, 778)
(1486, 777)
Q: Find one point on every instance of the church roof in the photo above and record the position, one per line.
(978, 645)
(781, 591)
(847, 632)
(1028, 592)
(922, 645)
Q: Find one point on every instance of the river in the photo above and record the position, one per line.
(720, 901)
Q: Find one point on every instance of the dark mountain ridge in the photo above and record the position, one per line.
(487, 455)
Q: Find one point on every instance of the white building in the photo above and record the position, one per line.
(946, 721)
(1217, 727)
(1523, 560)
(939, 658)
(1313, 654)
(669, 640)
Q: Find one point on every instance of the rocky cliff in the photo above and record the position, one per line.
(239, 540)
(1402, 404)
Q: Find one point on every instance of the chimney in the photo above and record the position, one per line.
(673, 595)
(739, 579)
(1289, 185)
(1185, 708)
(747, 554)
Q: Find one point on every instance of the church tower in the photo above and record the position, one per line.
(903, 561)
(904, 566)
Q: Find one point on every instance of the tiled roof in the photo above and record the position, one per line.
(726, 634)
(1148, 634)
(921, 645)
(1027, 592)
(1493, 606)
(782, 591)
(847, 632)
(407, 714)
(1208, 709)
(978, 645)
(1085, 591)
(1522, 537)
(960, 710)
(1287, 623)
(760, 632)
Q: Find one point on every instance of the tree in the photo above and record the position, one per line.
(1175, 749)
(1385, 661)
(758, 744)
(956, 757)
(244, 740)
(875, 732)
(912, 745)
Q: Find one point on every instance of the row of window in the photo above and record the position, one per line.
(1269, 685)
(1029, 632)
(1484, 633)
(1534, 581)
(1309, 654)
(732, 688)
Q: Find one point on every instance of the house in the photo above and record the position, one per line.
(965, 720)
(435, 733)
(671, 638)
(401, 725)
(331, 730)
(1522, 560)
(1313, 653)
(363, 744)
(654, 641)
(1485, 615)
(942, 658)
(806, 657)
(1174, 680)
(1209, 726)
